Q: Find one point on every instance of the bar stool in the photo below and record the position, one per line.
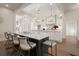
(16, 44)
(9, 38)
(15, 39)
(6, 35)
(26, 45)
(52, 44)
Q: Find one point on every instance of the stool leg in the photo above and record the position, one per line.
(29, 53)
(51, 51)
(56, 50)
(36, 51)
(42, 50)
(33, 51)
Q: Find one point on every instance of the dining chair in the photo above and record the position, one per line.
(26, 45)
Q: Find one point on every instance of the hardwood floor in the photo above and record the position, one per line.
(69, 47)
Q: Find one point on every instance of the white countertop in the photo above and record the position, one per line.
(36, 35)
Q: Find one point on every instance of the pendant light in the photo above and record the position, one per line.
(55, 18)
(55, 25)
(37, 14)
(37, 20)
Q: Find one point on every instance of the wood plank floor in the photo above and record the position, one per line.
(68, 47)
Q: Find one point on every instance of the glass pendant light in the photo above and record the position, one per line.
(38, 20)
(55, 25)
(55, 18)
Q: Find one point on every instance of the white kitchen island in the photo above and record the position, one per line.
(39, 36)
(36, 37)
(55, 35)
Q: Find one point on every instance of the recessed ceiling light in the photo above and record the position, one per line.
(51, 3)
(60, 14)
(6, 5)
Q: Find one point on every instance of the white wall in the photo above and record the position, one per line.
(7, 19)
(72, 22)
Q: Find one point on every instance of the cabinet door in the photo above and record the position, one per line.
(50, 20)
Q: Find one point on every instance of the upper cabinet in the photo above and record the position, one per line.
(51, 20)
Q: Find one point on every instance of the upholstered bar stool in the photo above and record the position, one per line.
(16, 44)
(51, 43)
(15, 39)
(9, 38)
(6, 35)
(26, 45)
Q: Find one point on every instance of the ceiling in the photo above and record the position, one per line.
(13, 6)
(45, 8)
(63, 7)
(41, 9)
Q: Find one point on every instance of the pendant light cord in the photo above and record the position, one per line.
(55, 19)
